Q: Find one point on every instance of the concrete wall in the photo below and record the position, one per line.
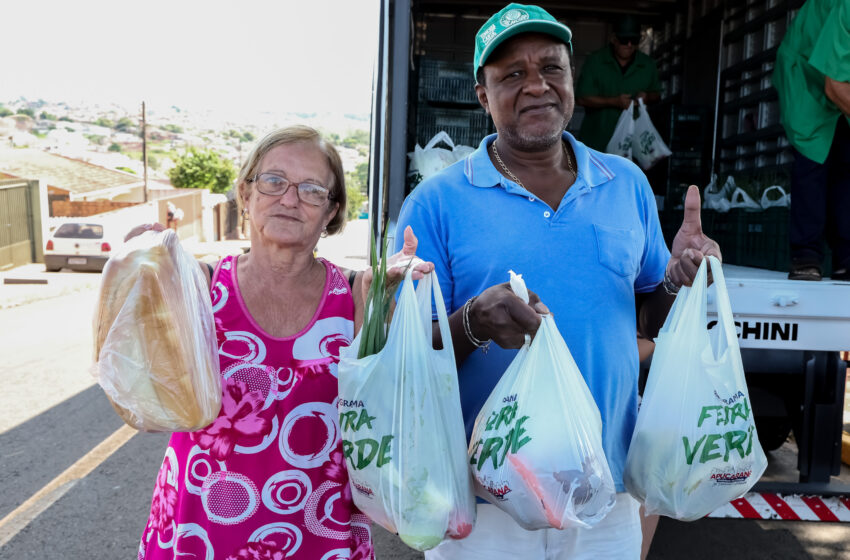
(66, 208)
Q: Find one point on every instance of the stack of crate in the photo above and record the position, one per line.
(447, 102)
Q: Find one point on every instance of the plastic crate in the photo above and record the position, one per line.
(446, 82)
(763, 239)
(465, 126)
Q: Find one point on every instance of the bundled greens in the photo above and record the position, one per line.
(376, 316)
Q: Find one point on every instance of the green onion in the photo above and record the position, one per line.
(377, 313)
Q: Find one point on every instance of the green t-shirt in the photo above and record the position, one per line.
(601, 76)
(817, 44)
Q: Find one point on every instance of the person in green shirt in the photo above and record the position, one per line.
(610, 79)
(812, 77)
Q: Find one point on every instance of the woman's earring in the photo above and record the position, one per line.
(324, 231)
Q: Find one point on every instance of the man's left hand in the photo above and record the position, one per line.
(691, 245)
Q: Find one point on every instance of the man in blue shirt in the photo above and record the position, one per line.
(582, 228)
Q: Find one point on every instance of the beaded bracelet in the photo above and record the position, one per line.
(483, 344)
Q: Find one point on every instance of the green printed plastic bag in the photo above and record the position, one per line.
(536, 449)
(695, 445)
(402, 430)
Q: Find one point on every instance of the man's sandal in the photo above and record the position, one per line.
(807, 272)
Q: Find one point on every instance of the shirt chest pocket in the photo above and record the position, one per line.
(618, 249)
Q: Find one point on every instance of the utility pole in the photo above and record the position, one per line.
(145, 150)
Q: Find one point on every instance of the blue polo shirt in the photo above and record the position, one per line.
(586, 260)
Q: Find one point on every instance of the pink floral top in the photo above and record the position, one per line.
(267, 479)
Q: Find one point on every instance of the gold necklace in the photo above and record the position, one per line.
(516, 179)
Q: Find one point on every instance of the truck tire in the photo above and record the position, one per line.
(773, 432)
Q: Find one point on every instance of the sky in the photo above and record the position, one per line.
(272, 55)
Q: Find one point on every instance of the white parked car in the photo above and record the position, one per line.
(82, 245)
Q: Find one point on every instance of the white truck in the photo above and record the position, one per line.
(791, 332)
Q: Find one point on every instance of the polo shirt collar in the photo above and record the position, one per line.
(481, 172)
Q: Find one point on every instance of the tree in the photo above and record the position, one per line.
(27, 111)
(101, 121)
(359, 178)
(356, 138)
(355, 201)
(124, 124)
(47, 116)
(173, 128)
(5, 111)
(114, 147)
(203, 169)
(248, 137)
(153, 162)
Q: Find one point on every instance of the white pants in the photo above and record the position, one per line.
(497, 536)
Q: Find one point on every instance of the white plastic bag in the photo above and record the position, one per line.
(717, 198)
(431, 159)
(647, 146)
(536, 448)
(782, 200)
(402, 429)
(695, 445)
(740, 199)
(156, 354)
(620, 143)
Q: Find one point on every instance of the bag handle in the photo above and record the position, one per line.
(724, 307)
(695, 303)
(429, 285)
(766, 202)
(441, 136)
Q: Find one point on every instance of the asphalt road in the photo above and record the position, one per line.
(46, 351)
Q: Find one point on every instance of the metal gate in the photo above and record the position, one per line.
(16, 236)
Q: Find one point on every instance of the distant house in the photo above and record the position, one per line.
(71, 179)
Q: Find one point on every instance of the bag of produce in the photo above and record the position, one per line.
(155, 353)
(402, 429)
(695, 445)
(427, 161)
(536, 448)
(647, 146)
(620, 143)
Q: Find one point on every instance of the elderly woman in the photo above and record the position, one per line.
(267, 479)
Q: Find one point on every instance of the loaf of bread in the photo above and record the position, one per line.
(155, 344)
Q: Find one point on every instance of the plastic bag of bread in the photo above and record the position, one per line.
(155, 343)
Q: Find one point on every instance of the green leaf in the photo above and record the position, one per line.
(376, 314)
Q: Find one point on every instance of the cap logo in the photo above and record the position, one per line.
(513, 16)
(488, 35)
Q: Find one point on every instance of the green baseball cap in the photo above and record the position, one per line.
(512, 20)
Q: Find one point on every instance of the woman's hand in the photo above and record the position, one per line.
(138, 230)
(397, 265)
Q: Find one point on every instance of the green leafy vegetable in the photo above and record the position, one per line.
(377, 314)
